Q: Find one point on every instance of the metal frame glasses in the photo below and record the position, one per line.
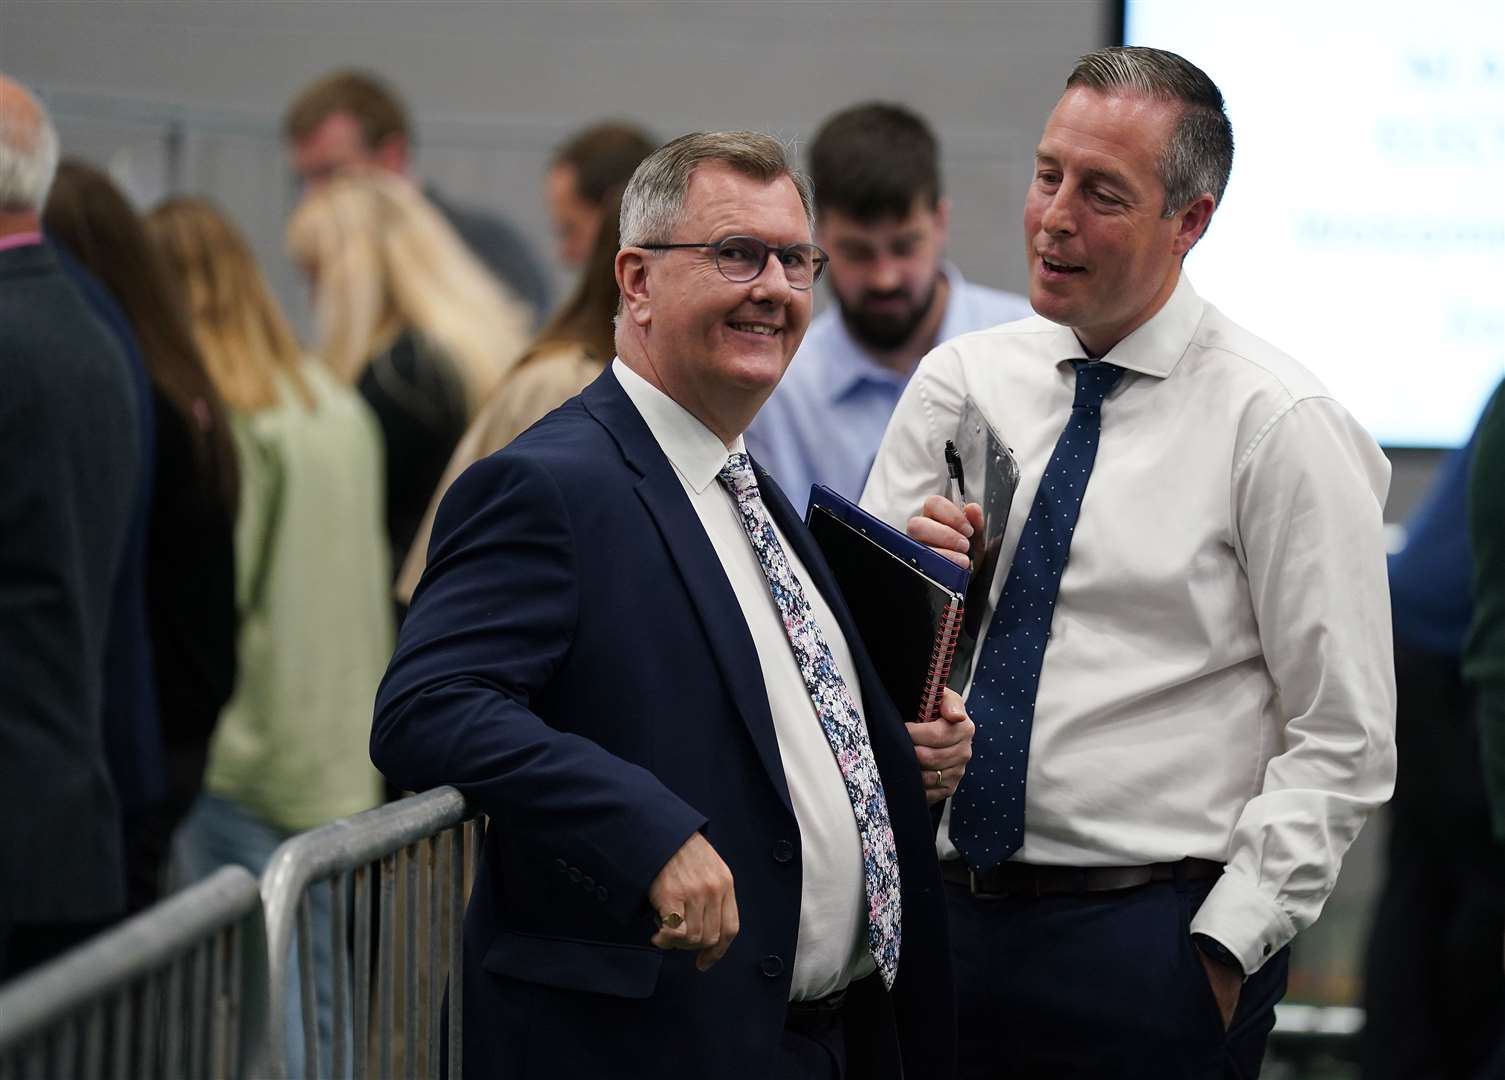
(742, 258)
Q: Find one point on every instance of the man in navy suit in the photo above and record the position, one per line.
(709, 852)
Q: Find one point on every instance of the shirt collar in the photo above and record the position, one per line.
(1157, 346)
(695, 451)
(848, 365)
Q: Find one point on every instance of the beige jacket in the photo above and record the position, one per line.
(534, 388)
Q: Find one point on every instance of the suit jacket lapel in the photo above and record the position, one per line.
(698, 565)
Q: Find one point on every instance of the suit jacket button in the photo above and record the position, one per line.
(601, 893)
(783, 851)
(562, 866)
(773, 966)
(575, 874)
(589, 882)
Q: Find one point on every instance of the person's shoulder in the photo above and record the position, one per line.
(552, 366)
(809, 369)
(1257, 366)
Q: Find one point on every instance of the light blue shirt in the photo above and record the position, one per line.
(824, 421)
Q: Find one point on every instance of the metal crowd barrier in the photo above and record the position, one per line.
(174, 992)
(413, 861)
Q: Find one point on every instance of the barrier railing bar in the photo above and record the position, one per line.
(198, 1063)
(120, 1039)
(362, 1010)
(337, 895)
(385, 1004)
(66, 1042)
(321, 853)
(410, 962)
(431, 850)
(307, 989)
(45, 995)
(146, 1034)
(94, 1040)
(172, 1061)
(457, 896)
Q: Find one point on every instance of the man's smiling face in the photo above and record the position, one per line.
(708, 337)
(1103, 258)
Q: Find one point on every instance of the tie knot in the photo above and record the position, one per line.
(1093, 381)
(737, 475)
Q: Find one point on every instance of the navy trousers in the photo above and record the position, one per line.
(1099, 985)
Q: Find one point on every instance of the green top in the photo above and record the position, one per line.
(312, 579)
(1484, 652)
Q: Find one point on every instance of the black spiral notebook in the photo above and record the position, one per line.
(907, 601)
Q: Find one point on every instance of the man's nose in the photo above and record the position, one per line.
(886, 275)
(772, 284)
(1057, 218)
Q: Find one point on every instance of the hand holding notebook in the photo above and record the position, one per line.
(907, 600)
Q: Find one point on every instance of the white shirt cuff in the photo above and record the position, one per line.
(1246, 921)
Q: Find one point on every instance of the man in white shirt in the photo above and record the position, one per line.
(710, 852)
(884, 220)
(1183, 725)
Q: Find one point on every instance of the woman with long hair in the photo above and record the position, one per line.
(290, 752)
(189, 561)
(405, 313)
(568, 353)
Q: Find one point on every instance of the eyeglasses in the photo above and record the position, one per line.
(742, 258)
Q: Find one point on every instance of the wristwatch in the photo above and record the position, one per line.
(1216, 950)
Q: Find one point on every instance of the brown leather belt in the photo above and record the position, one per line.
(1024, 879)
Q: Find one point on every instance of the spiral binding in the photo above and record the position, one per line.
(947, 635)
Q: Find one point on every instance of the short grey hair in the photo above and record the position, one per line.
(28, 149)
(1198, 156)
(654, 199)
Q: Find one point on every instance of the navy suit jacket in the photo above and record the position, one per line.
(576, 662)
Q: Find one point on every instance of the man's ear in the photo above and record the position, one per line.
(392, 153)
(632, 283)
(1192, 222)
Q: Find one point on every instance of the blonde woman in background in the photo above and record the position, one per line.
(407, 315)
(566, 356)
(290, 750)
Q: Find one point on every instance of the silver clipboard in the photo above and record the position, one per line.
(992, 476)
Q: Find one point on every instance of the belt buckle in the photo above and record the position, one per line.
(983, 894)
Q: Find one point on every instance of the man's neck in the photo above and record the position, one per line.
(13, 222)
(906, 357)
(718, 422)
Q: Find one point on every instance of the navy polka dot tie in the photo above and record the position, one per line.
(987, 813)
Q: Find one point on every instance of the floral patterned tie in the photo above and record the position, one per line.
(839, 718)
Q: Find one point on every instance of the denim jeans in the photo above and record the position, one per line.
(220, 832)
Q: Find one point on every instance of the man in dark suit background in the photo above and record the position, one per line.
(69, 475)
(353, 120)
(710, 852)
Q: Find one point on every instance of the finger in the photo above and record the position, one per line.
(730, 925)
(942, 538)
(942, 510)
(953, 708)
(973, 513)
(932, 733)
(710, 920)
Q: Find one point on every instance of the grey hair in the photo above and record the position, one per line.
(655, 196)
(28, 150)
(1198, 156)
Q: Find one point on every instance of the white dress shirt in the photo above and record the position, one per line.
(1218, 681)
(832, 947)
